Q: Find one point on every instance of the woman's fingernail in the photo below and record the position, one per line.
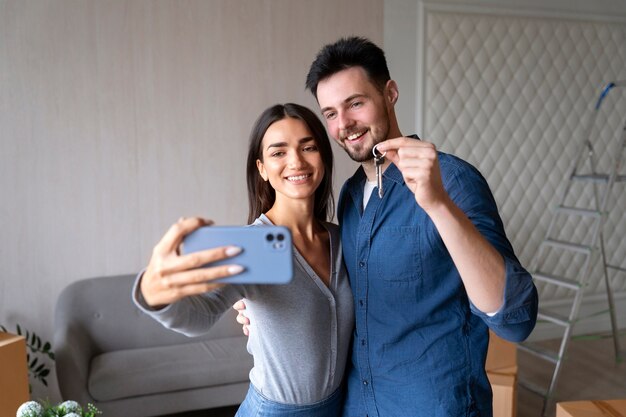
(233, 250)
(235, 269)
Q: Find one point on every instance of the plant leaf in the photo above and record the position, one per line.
(45, 372)
(19, 329)
(33, 363)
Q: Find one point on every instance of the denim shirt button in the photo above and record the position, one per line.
(362, 264)
(364, 382)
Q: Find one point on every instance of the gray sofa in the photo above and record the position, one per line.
(110, 354)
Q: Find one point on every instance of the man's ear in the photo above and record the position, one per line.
(391, 92)
(261, 169)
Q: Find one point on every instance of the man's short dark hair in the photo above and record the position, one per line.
(347, 53)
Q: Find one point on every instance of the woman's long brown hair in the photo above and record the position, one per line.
(261, 195)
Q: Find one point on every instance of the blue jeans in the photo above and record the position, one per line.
(256, 405)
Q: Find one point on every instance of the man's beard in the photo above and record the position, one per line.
(363, 152)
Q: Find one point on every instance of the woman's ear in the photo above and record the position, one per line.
(391, 92)
(261, 169)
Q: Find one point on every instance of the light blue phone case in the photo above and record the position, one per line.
(267, 251)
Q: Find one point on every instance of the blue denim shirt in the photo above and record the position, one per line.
(419, 345)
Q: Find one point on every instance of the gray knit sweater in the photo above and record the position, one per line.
(299, 333)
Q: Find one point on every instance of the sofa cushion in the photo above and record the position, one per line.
(155, 370)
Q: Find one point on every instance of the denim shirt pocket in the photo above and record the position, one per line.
(397, 254)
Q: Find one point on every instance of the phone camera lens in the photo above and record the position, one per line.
(269, 237)
(280, 237)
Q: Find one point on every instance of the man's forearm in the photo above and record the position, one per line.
(480, 265)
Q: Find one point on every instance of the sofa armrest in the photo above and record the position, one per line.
(73, 353)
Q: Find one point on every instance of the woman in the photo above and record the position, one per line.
(301, 331)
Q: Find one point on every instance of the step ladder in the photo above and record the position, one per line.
(574, 259)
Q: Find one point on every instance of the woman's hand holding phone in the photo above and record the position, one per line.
(171, 276)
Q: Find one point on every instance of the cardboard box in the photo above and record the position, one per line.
(608, 408)
(13, 373)
(501, 367)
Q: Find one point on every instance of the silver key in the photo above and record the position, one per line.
(379, 160)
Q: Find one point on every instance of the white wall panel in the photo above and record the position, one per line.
(511, 90)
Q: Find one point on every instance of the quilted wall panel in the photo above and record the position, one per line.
(513, 95)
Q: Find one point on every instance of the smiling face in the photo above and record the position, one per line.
(357, 114)
(291, 160)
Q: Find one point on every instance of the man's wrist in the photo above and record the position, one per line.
(441, 210)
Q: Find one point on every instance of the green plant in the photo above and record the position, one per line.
(65, 409)
(37, 369)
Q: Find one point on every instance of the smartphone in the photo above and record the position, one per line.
(267, 251)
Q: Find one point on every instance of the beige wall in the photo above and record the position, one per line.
(118, 117)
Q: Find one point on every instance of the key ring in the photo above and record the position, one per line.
(377, 153)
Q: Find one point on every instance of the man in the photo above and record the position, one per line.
(430, 266)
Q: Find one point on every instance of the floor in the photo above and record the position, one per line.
(590, 372)
(213, 412)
